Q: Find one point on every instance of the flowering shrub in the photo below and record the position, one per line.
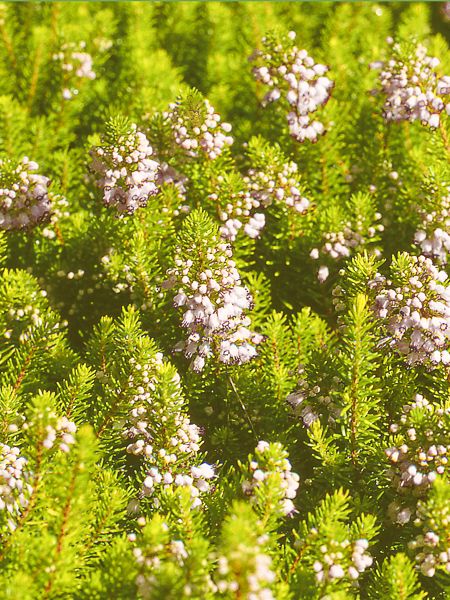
(213, 298)
(127, 174)
(298, 80)
(224, 301)
(75, 65)
(196, 127)
(413, 89)
(24, 195)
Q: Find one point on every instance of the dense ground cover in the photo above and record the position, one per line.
(224, 306)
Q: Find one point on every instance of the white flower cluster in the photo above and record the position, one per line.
(61, 433)
(76, 64)
(331, 565)
(126, 173)
(185, 440)
(214, 304)
(168, 442)
(14, 489)
(238, 213)
(252, 565)
(341, 244)
(433, 237)
(24, 199)
(431, 556)
(424, 433)
(310, 402)
(202, 134)
(24, 320)
(175, 548)
(433, 544)
(417, 313)
(197, 480)
(413, 89)
(273, 470)
(294, 76)
(278, 184)
(260, 188)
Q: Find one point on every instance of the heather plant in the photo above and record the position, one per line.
(224, 301)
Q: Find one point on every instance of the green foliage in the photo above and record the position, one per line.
(125, 474)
